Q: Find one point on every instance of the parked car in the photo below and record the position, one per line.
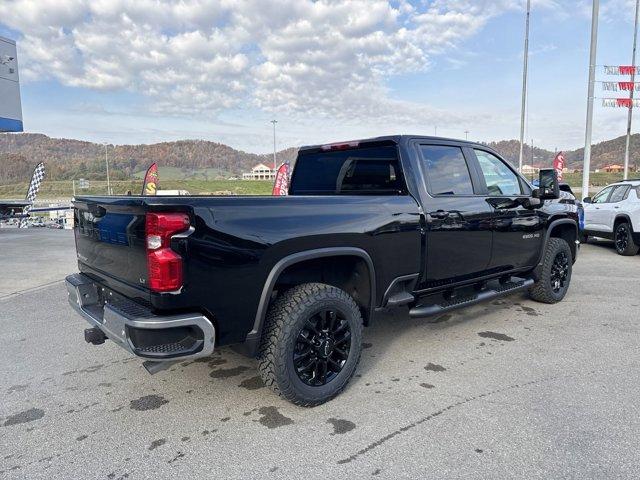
(614, 213)
(426, 223)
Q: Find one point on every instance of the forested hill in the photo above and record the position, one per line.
(603, 153)
(67, 158)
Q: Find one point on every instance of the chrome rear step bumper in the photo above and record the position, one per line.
(138, 330)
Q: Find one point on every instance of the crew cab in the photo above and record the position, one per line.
(614, 213)
(428, 224)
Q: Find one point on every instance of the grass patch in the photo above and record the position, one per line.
(64, 189)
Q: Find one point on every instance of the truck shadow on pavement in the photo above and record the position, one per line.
(393, 345)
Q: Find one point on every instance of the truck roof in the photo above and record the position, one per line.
(390, 138)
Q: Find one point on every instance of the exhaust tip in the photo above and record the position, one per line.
(155, 367)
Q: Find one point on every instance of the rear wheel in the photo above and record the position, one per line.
(624, 240)
(554, 274)
(311, 344)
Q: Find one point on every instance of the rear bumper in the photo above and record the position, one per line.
(135, 328)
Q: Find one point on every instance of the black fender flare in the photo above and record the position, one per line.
(552, 225)
(254, 335)
(625, 217)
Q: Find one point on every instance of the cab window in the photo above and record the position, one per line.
(447, 171)
(500, 179)
(602, 196)
(367, 170)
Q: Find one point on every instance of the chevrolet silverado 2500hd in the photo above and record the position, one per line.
(427, 223)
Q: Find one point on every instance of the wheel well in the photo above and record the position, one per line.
(619, 219)
(347, 272)
(568, 233)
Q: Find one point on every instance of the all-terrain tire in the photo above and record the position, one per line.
(286, 318)
(554, 273)
(624, 240)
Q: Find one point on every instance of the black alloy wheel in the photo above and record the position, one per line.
(559, 271)
(311, 343)
(622, 237)
(322, 347)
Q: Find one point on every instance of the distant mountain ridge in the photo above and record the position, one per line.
(69, 159)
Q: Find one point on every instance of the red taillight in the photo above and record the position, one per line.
(163, 264)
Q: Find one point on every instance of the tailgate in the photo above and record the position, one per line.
(110, 238)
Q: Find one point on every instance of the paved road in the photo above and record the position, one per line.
(512, 389)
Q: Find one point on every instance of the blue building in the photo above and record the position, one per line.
(10, 105)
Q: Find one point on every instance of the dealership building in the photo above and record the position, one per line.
(10, 106)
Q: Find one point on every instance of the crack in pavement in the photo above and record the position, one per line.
(4, 296)
(413, 425)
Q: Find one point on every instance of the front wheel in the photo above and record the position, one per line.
(624, 240)
(311, 343)
(554, 274)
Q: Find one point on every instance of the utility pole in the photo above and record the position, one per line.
(106, 160)
(523, 107)
(275, 167)
(532, 159)
(435, 131)
(586, 165)
(633, 87)
(466, 134)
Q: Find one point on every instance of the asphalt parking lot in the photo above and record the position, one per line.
(511, 389)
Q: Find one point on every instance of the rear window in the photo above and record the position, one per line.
(447, 170)
(361, 171)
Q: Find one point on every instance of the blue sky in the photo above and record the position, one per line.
(153, 70)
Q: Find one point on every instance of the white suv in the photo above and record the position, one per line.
(614, 213)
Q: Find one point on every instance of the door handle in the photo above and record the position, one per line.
(616, 207)
(440, 214)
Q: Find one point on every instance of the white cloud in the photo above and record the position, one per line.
(329, 58)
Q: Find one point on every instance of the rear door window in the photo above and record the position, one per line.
(447, 170)
(360, 171)
(619, 193)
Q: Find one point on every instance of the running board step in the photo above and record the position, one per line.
(400, 298)
(506, 288)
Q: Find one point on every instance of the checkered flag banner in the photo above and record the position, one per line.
(34, 186)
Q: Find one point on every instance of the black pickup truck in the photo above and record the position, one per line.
(427, 223)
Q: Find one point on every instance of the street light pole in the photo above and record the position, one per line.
(630, 114)
(586, 166)
(106, 160)
(524, 86)
(275, 166)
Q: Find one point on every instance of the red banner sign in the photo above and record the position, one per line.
(558, 165)
(281, 184)
(624, 102)
(151, 183)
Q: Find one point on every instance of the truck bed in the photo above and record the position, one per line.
(235, 243)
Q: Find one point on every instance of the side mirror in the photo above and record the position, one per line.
(549, 187)
(586, 200)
